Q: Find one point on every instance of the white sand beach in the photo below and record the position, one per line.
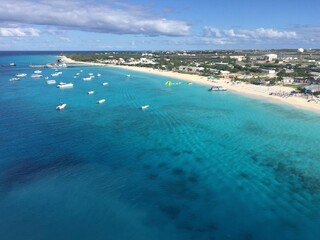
(250, 90)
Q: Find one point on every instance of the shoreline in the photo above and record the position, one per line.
(248, 90)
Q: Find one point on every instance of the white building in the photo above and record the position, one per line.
(271, 56)
(190, 69)
(269, 72)
(288, 80)
(238, 58)
(224, 73)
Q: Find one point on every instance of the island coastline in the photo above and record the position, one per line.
(270, 93)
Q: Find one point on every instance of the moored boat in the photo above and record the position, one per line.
(101, 101)
(61, 106)
(217, 88)
(14, 79)
(144, 107)
(65, 85)
(51, 82)
(21, 75)
(36, 76)
(104, 84)
(37, 66)
(91, 92)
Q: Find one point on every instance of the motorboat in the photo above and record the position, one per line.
(37, 71)
(128, 75)
(98, 75)
(36, 76)
(62, 65)
(21, 75)
(217, 88)
(12, 64)
(65, 85)
(51, 82)
(55, 74)
(14, 79)
(144, 107)
(101, 101)
(61, 106)
(91, 92)
(87, 78)
(104, 84)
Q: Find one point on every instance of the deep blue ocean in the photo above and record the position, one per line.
(195, 165)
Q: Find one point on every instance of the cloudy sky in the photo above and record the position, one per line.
(158, 24)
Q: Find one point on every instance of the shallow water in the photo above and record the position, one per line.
(194, 165)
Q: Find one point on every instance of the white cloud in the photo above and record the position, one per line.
(215, 36)
(233, 34)
(211, 32)
(65, 39)
(91, 16)
(19, 32)
(259, 33)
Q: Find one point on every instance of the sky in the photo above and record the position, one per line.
(138, 25)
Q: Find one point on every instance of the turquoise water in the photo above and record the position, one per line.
(194, 165)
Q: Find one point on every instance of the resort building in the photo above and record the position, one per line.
(288, 80)
(238, 58)
(269, 72)
(270, 57)
(190, 69)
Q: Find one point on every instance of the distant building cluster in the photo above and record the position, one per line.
(296, 67)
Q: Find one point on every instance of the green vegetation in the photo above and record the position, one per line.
(208, 63)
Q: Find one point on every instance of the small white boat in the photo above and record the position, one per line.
(61, 106)
(51, 82)
(77, 74)
(14, 79)
(81, 70)
(46, 78)
(104, 84)
(55, 74)
(62, 65)
(144, 107)
(128, 75)
(90, 74)
(91, 92)
(101, 101)
(37, 71)
(86, 79)
(98, 74)
(12, 64)
(21, 75)
(36, 76)
(65, 85)
(217, 88)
